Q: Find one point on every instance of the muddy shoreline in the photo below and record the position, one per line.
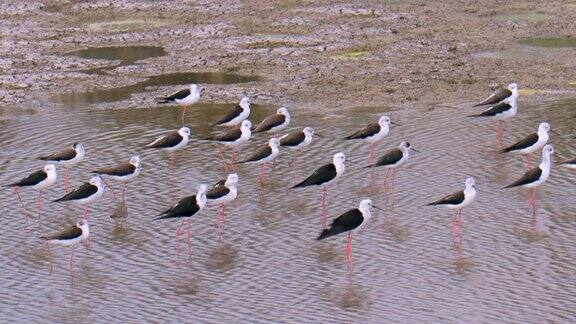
(309, 54)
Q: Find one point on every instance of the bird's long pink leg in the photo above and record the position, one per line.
(39, 203)
(183, 114)
(50, 257)
(293, 160)
(172, 161)
(528, 161)
(109, 187)
(324, 207)
(189, 239)
(218, 220)
(223, 158)
(123, 188)
(66, 181)
(372, 152)
(85, 215)
(26, 214)
(233, 160)
(533, 201)
(393, 194)
(261, 177)
(386, 181)
(178, 233)
(179, 230)
(499, 133)
(349, 253)
(223, 215)
(72, 267)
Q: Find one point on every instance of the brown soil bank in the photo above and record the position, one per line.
(313, 54)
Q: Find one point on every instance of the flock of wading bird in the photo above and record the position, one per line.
(501, 106)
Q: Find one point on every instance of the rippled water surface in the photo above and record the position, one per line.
(269, 266)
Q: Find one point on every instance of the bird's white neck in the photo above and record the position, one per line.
(52, 174)
(85, 231)
(307, 138)
(274, 149)
(546, 162)
(405, 152)
(543, 133)
(100, 185)
(246, 133)
(80, 152)
(514, 93)
(366, 213)
(340, 167)
(245, 106)
(514, 104)
(232, 188)
(287, 118)
(201, 199)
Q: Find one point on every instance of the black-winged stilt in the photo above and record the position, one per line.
(502, 94)
(186, 208)
(535, 176)
(501, 111)
(373, 133)
(265, 154)
(185, 97)
(351, 221)
(86, 194)
(172, 142)
(297, 140)
(324, 176)
(458, 201)
(223, 192)
(236, 115)
(70, 236)
(66, 158)
(393, 159)
(122, 172)
(531, 143)
(39, 180)
(274, 123)
(233, 138)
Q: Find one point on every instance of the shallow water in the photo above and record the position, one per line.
(525, 16)
(512, 54)
(126, 54)
(269, 266)
(550, 42)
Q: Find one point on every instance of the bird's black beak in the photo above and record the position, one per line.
(555, 132)
(393, 123)
(319, 135)
(378, 208)
(415, 150)
(351, 162)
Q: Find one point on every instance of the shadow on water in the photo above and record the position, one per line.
(222, 257)
(123, 93)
